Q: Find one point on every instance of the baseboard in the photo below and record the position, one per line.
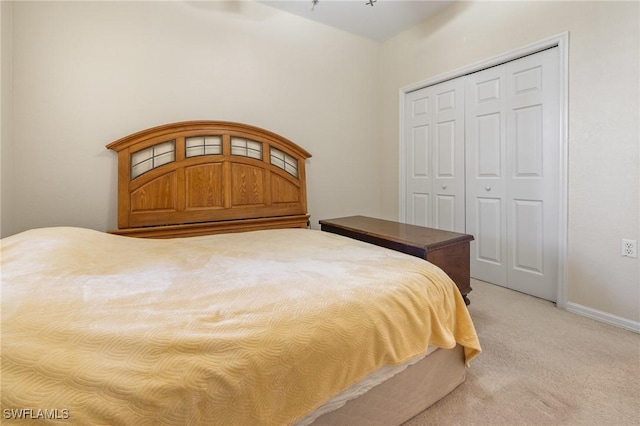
(604, 317)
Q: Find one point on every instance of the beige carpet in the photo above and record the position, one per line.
(542, 366)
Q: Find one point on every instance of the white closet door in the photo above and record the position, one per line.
(486, 169)
(419, 169)
(448, 155)
(434, 129)
(512, 149)
(533, 167)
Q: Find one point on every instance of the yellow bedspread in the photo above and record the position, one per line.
(238, 329)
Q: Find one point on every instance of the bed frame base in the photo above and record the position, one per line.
(209, 228)
(405, 395)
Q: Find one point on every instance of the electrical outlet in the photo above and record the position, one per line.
(629, 248)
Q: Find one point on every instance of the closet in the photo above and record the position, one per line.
(482, 156)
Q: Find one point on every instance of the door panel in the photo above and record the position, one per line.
(420, 176)
(418, 148)
(528, 236)
(527, 141)
(449, 178)
(489, 146)
(445, 155)
(485, 148)
(419, 105)
(435, 181)
(420, 152)
(445, 212)
(533, 173)
(488, 220)
(419, 209)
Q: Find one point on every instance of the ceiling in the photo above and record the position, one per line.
(379, 22)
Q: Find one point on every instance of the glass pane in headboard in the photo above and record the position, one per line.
(203, 145)
(155, 156)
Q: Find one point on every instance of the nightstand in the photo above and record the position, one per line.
(447, 250)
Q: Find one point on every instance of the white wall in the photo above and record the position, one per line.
(88, 73)
(604, 93)
(6, 148)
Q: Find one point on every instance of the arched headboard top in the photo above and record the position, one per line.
(204, 126)
(209, 176)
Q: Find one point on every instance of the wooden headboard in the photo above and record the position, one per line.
(205, 177)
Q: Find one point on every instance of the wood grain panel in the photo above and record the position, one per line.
(283, 191)
(159, 194)
(204, 186)
(248, 185)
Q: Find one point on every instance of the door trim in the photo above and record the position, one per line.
(561, 41)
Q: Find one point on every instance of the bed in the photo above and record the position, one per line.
(227, 309)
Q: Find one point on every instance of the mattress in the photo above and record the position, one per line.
(405, 394)
(362, 387)
(251, 328)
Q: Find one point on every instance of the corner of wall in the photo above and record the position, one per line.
(6, 110)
